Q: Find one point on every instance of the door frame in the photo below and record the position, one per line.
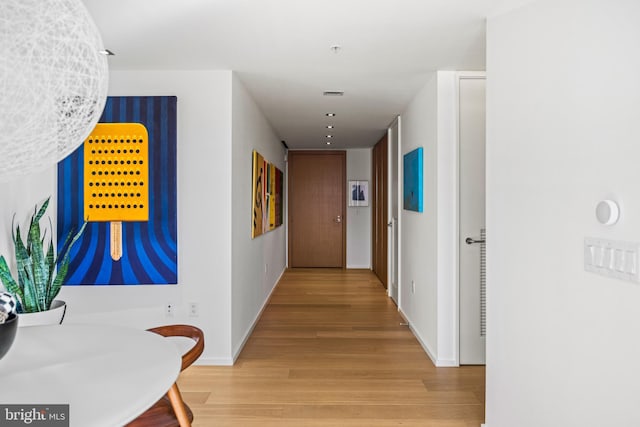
(460, 75)
(343, 154)
(380, 211)
(397, 122)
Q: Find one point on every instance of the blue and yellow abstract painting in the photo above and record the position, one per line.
(129, 250)
(412, 194)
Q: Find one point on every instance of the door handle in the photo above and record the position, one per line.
(471, 241)
(390, 224)
(337, 219)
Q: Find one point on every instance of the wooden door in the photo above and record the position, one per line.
(317, 229)
(379, 208)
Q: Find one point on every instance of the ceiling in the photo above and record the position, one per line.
(282, 52)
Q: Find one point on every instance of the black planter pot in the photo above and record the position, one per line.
(8, 333)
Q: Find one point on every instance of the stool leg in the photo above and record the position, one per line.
(178, 406)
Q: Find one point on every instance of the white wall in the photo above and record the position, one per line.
(204, 259)
(419, 230)
(19, 197)
(250, 257)
(358, 217)
(429, 238)
(562, 134)
(447, 205)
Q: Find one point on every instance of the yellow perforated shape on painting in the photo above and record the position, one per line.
(116, 173)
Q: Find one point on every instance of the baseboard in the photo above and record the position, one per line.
(447, 363)
(424, 345)
(358, 267)
(238, 350)
(214, 361)
(439, 363)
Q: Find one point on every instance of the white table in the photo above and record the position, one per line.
(107, 374)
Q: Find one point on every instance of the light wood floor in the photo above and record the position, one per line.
(329, 350)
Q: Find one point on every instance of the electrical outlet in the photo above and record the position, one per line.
(193, 309)
(413, 287)
(168, 310)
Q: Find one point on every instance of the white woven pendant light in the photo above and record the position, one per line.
(53, 82)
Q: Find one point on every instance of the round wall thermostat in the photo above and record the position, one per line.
(607, 212)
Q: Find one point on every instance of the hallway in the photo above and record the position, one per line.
(330, 350)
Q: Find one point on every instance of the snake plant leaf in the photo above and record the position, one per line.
(59, 280)
(63, 261)
(51, 268)
(25, 274)
(37, 216)
(40, 273)
(66, 244)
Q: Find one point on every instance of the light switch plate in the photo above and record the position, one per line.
(612, 258)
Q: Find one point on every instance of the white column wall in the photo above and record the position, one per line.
(419, 262)
(204, 256)
(562, 134)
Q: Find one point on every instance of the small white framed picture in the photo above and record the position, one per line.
(358, 193)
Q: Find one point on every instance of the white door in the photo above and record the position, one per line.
(472, 219)
(394, 144)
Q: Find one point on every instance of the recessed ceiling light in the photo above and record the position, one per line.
(328, 142)
(336, 48)
(107, 52)
(329, 136)
(329, 126)
(330, 114)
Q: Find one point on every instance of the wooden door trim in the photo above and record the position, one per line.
(343, 172)
(380, 210)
